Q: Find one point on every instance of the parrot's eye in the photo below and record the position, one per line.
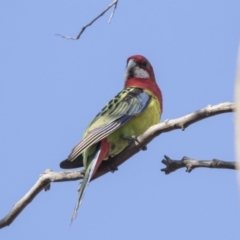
(144, 63)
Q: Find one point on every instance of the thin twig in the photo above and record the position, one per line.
(190, 164)
(111, 16)
(111, 165)
(114, 3)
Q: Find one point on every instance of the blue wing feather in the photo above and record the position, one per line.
(130, 102)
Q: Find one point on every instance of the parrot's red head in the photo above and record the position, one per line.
(139, 73)
(139, 67)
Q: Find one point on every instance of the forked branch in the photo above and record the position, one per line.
(190, 164)
(114, 3)
(112, 164)
(156, 130)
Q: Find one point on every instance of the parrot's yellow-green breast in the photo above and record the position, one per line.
(135, 126)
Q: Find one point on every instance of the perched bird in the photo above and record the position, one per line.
(130, 113)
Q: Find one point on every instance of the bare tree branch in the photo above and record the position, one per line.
(156, 130)
(111, 165)
(42, 183)
(114, 3)
(190, 164)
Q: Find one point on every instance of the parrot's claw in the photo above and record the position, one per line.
(134, 139)
(144, 148)
(113, 169)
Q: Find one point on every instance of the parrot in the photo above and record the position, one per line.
(130, 113)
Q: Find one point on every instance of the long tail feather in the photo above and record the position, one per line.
(88, 175)
(100, 154)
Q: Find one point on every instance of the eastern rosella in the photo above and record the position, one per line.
(130, 113)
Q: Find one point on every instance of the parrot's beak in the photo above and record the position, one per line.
(130, 66)
(134, 71)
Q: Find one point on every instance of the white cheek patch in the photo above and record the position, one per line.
(140, 73)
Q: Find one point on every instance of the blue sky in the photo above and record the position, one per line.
(51, 88)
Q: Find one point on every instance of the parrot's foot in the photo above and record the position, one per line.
(113, 169)
(134, 139)
(144, 148)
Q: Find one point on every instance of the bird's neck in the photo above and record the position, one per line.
(147, 84)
